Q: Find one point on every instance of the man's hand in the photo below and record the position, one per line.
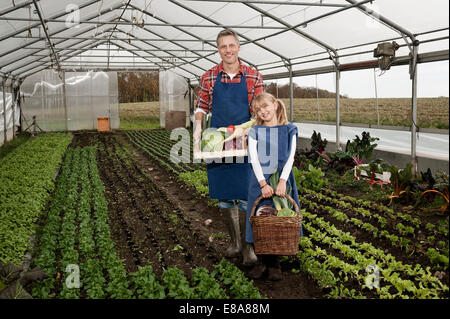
(197, 130)
(197, 134)
(281, 188)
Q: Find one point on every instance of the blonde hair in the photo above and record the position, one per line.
(281, 109)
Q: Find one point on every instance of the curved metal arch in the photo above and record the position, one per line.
(83, 49)
(37, 24)
(154, 46)
(162, 37)
(221, 25)
(190, 34)
(43, 59)
(152, 53)
(292, 28)
(103, 12)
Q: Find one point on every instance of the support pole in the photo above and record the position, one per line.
(413, 73)
(376, 95)
(13, 106)
(19, 105)
(191, 104)
(317, 100)
(44, 27)
(291, 94)
(4, 110)
(338, 102)
(65, 100)
(109, 47)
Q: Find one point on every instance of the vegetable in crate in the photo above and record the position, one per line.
(229, 144)
(239, 130)
(212, 141)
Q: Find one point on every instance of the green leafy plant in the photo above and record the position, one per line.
(147, 285)
(311, 179)
(212, 141)
(14, 281)
(238, 285)
(401, 181)
(361, 148)
(177, 284)
(441, 188)
(317, 144)
(206, 286)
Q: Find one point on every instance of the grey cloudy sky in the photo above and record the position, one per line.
(433, 81)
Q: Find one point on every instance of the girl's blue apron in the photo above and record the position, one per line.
(262, 135)
(229, 107)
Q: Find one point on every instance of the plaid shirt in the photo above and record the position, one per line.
(205, 94)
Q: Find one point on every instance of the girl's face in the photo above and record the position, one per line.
(267, 110)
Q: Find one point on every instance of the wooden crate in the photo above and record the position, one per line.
(221, 154)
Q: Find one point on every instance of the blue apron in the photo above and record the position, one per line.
(262, 135)
(229, 107)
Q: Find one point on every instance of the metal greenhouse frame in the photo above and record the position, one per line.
(173, 34)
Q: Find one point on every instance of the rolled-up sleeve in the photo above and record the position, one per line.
(203, 101)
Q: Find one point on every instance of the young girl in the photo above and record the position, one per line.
(272, 144)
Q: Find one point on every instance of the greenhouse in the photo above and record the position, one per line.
(99, 98)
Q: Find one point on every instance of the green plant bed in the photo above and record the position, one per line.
(347, 185)
(26, 184)
(133, 122)
(13, 144)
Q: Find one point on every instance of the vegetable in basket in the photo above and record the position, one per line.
(282, 205)
(266, 210)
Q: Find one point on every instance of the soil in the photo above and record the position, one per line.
(157, 220)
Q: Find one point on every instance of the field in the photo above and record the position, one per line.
(431, 112)
(133, 223)
(139, 115)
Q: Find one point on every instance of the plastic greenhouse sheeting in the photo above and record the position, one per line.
(88, 95)
(267, 33)
(9, 116)
(173, 96)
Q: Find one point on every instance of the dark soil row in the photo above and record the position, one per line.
(156, 234)
(195, 209)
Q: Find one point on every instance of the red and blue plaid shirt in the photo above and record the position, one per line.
(205, 94)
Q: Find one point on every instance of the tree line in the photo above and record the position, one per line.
(138, 86)
(144, 87)
(299, 92)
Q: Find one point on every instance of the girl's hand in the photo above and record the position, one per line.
(281, 188)
(267, 191)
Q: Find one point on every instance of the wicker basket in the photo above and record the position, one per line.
(275, 235)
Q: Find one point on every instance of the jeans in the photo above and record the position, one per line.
(232, 202)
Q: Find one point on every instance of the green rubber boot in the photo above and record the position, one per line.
(248, 254)
(232, 221)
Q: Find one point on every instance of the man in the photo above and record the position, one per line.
(226, 91)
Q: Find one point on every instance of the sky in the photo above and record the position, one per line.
(433, 81)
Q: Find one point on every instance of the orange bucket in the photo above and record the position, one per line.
(103, 124)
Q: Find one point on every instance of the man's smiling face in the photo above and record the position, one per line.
(228, 49)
